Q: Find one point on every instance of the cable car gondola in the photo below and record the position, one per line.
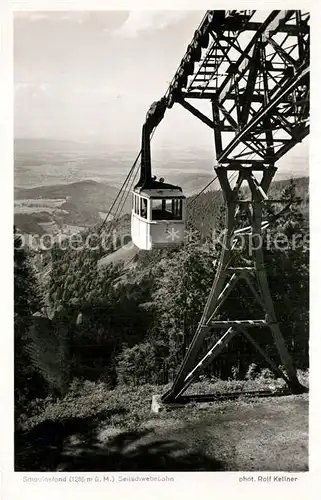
(157, 215)
(158, 211)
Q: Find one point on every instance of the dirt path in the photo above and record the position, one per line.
(270, 434)
(245, 435)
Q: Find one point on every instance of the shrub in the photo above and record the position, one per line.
(252, 372)
(122, 406)
(139, 365)
(235, 372)
(266, 373)
(303, 376)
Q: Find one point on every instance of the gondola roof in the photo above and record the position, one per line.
(157, 189)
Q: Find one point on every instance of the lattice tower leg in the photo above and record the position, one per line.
(222, 286)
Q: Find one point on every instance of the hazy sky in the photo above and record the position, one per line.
(91, 76)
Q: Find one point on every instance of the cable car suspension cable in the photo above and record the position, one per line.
(117, 201)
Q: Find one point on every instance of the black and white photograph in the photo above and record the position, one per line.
(161, 243)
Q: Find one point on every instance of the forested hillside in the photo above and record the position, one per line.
(78, 203)
(114, 326)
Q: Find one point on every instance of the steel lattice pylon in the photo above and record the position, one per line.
(255, 74)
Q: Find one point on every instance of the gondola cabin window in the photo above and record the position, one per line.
(140, 206)
(136, 204)
(166, 209)
(143, 208)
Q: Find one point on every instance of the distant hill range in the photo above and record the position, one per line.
(89, 194)
(81, 203)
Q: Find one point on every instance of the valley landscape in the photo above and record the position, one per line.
(65, 186)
